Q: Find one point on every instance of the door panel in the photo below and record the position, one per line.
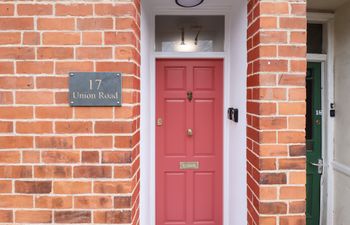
(313, 142)
(189, 196)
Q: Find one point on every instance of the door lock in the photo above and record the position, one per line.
(159, 122)
(319, 166)
(189, 95)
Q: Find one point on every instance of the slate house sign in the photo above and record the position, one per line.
(95, 89)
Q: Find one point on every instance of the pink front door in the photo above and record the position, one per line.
(189, 142)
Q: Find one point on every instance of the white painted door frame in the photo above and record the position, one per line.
(148, 181)
(327, 60)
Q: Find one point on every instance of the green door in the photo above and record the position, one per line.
(313, 142)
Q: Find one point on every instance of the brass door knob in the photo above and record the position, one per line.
(189, 132)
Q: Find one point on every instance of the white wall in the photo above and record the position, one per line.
(342, 119)
(237, 132)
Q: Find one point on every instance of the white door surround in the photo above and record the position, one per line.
(235, 65)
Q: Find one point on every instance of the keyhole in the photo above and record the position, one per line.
(189, 95)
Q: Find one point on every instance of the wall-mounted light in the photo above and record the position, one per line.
(189, 3)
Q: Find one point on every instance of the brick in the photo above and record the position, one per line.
(112, 187)
(298, 37)
(297, 150)
(297, 122)
(55, 53)
(6, 127)
(52, 82)
(33, 187)
(54, 202)
(124, 67)
(16, 142)
(292, 220)
(93, 113)
(92, 38)
(120, 38)
(34, 97)
(52, 171)
(66, 67)
(94, 53)
(34, 67)
(16, 23)
(292, 193)
(122, 202)
(272, 123)
(291, 108)
(297, 94)
(31, 38)
(123, 142)
(5, 187)
(31, 157)
(293, 23)
(292, 51)
(112, 217)
(288, 137)
(114, 127)
(72, 216)
(15, 171)
(297, 207)
(56, 24)
(269, 93)
(17, 53)
(61, 97)
(53, 112)
(6, 68)
(273, 150)
(73, 127)
(292, 80)
(93, 202)
(31, 216)
(92, 172)
(6, 97)
(10, 37)
(126, 112)
(61, 38)
(7, 9)
(273, 37)
(16, 82)
(268, 193)
(54, 142)
(273, 178)
(10, 157)
(6, 216)
(116, 157)
(298, 9)
(271, 66)
(274, 8)
(60, 156)
(268, 22)
(71, 187)
(34, 9)
(90, 157)
(125, 53)
(93, 142)
(16, 201)
(95, 23)
(115, 10)
(74, 9)
(273, 208)
(292, 164)
(122, 172)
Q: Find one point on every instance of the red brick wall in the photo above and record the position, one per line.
(60, 164)
(276, 109)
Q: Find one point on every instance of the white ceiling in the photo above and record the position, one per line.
(325, 5)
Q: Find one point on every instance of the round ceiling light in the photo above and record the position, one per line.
(189, 3)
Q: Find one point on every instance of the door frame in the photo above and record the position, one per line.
(327, 95)
(153, 56)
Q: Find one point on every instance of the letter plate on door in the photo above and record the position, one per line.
(189, 165)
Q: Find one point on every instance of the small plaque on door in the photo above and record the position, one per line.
(189, 165)
(95, 89)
